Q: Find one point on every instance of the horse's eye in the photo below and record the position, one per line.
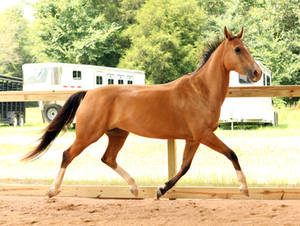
(237, 50)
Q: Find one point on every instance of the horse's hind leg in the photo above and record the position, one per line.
(116, 140)
(76, 148)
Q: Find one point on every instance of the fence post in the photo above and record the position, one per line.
(172, 161)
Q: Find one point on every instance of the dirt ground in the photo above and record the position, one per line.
(25, 210)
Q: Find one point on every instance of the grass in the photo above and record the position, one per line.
(269, 156)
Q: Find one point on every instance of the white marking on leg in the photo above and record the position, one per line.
(242, 179)
(240, 176)
(128, 179)
(54, 189)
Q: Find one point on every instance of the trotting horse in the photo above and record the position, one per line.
(187, 108)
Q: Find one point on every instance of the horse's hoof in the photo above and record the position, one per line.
(244, 189)
(134, 191)
(52, 192)
(159, 193)
(246, 192)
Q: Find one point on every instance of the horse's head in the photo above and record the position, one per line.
(238, 58)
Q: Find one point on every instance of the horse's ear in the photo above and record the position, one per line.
(227, 33)
(240, 34)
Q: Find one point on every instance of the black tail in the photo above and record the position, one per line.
(64, 118)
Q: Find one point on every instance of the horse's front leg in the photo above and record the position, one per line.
(188, 155)
(212, 141)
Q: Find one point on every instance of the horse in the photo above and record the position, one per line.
(187, 108)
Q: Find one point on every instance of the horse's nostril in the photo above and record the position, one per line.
(255, 73)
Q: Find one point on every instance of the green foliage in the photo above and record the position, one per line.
(165, 38)
(78, 32)
(13, 42)
(128, 10)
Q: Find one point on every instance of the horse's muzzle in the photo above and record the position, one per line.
(254, 74)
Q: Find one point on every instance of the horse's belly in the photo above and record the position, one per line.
(157, 128)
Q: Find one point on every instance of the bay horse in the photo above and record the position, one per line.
(187, 108)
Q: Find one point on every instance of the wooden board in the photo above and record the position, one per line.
(264, 91)
(35, 95)
(268, 193)
(254, 91)
(172, 160)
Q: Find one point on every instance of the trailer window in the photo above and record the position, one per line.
(99, 80)
(76, 75)
(268, 81)
(110, 81)
(129, 82)
(41, 76)
(120, 81)
(244, 79)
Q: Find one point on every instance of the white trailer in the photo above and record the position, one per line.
(258, 110)
(62, 76)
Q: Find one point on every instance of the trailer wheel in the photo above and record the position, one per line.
(51, 111)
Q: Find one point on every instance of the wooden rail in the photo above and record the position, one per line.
(92, 191)
(146, 192)
(264, 91)
(8, 96)
(252, 91)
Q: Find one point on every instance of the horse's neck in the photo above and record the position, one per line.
(214, 78)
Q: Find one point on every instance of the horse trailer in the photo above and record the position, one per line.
(12, 113)
(255, 110)
(63, 76)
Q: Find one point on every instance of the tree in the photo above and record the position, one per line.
(13, 41)
(128, 11)
(78, 31)
(165, 38)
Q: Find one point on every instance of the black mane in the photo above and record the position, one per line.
(210, 48)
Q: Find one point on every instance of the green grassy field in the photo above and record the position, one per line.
(269, 156)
